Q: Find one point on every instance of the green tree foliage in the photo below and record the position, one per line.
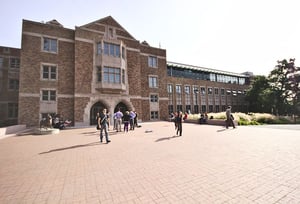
(258, 95)
(284, 80)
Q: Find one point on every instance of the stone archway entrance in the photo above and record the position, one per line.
(122, 107)
(96, 108)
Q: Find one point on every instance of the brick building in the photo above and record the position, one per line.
(76, 73)
(9, 85)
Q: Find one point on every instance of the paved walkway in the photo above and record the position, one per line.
(208, 164)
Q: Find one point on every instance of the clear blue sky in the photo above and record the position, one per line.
(229, 35)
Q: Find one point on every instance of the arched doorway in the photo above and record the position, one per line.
(122, 107)
(96, 108)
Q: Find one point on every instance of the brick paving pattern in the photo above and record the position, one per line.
(208, 164)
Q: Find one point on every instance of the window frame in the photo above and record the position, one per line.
(49, 96)
(14, 63)
(153, 61)
(49, 72)
(111, 75)
(154, 98)
(51, 46)
(153, 81)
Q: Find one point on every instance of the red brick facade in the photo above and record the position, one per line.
(77, 87)
(9, 85)
(76, 73)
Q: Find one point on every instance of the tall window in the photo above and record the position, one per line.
(178, 97)
(49, 95)
(195, 99)
(187, 91)
(50, 45)
(99, 74)
(123, 76)
(111, 32)
(13, 84)
(123, 52)
(202, 90)
(203, 108)
(99, 48)
(1, 62)
(49, 72)
(216, 91)
(14, 63)
(222, 91)
(170, 97)
(210, 108)
(209, 90)
(111, 75)
(152, 61)
(12, 110)
(153, 82)
(111, 49)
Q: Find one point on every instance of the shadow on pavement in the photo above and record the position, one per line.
(71, 147)
(221, 130)
(166, 138)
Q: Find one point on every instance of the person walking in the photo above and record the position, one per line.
(102, 122)
(179, 120)
(229, 118)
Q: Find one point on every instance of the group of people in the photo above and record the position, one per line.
(129, 118)
(178, 118)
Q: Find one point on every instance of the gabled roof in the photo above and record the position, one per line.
(109, 20)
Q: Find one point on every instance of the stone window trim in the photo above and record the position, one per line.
(49, 72)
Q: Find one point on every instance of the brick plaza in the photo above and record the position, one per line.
(208, 164)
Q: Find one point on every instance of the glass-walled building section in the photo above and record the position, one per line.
(206, 90)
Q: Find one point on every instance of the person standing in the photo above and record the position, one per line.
(97, 118)
(135, 119)
(229, 118)
(179, 120)
(132, 116)
(102, 122)
(126, 119)
(118, 116)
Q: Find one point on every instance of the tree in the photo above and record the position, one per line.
(258, 96)
(284, 81)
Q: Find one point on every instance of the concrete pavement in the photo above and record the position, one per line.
(208, 164)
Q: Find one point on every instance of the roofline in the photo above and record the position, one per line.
(205, 69)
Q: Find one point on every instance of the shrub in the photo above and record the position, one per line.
(248, 119)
